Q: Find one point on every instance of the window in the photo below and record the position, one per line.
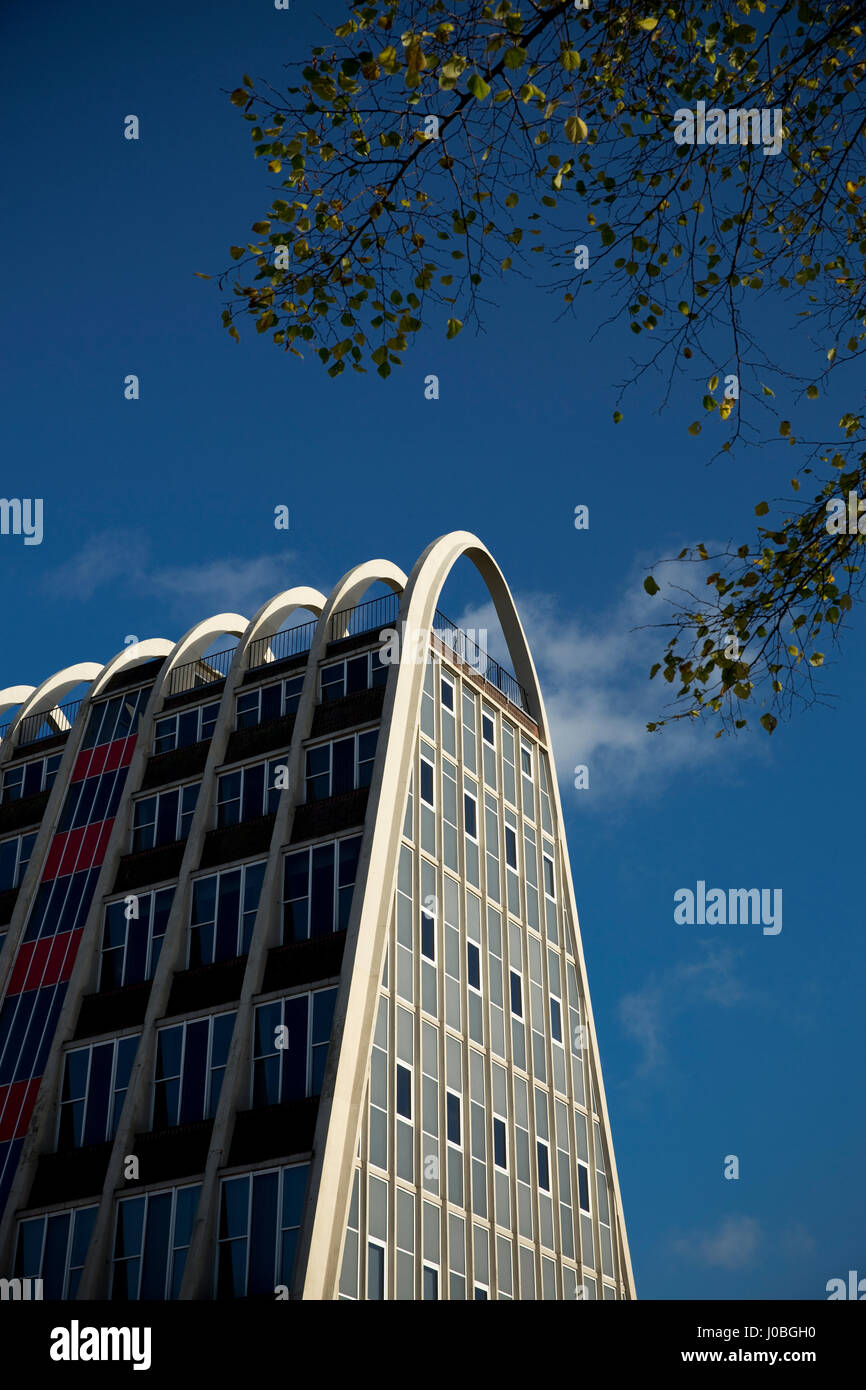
(259, 1221)
(510, 847)
(165, 818)
(223, 913)
(543, 1164)
(116, 718)
(447, 691)
(250, 792)
(583, 1186)
(549, 880)
(473, 965)
(342, 766)
(290, 1047)
(452, 1118)
(132, 938)
(186, 727)
(53, 1249)
(14, 858)
(404, 1092)
(470, 813)
(431, 1283)
(526, 760)
(95, 1080)
(516, 994)
(354, 674)
(151, 1240)
(428, 935)
(93, 799)
(375, 1270)
(29, 779)
(555, 1019)
(318, 884)
(500, 1146)
(427, 776)
(190, 1064)
(488, 729)
(268, 702)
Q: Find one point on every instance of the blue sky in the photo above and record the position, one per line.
(714, 1040)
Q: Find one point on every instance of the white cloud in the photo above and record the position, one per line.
(594, 674)
(732, 1245)
(669, 993)
(121, 560)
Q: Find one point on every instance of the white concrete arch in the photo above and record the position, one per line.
(13, 696)
(272, 615)
(335, 1143)
(355, 582)
(197, 640)
(47, 696)
(134, 655)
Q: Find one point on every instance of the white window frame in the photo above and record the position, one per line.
(175, 716)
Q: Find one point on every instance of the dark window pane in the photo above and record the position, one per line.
(426, 782)
(153, 1268)
(452, 1107)
(473, 965)
(404, 1092)
(263, 1234)
(499, 1146)
(516, 995)
(322, 897)
(375, 1271)
(344, 766)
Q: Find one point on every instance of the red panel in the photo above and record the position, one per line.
(97, 759)
(27, 1107)
(86, 858)
(128, 750)
(29, 964)
(71, 852)
(64, 949)
(54, 855)
(16, 1107)
(82, 763)
(102, 844)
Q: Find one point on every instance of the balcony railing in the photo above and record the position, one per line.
(467, 650)
(45, 724)
(365, 617)
(294, 641)
(204, 671)
(380, 613)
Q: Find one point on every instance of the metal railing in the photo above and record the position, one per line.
(47, 722)
(365, 617)
(203, 671)
(293, 641)
(379, 613)
(467, 650)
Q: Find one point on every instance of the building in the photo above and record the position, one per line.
(293, 996)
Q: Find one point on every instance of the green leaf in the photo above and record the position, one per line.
(570, 59)
(617, 416)
(576, 129)
(236, 252)
(762, 509)
(454, 327)
(647, 25)
(515, 58)
(812, 393)
(608, 235)
(650, 585)
(478, 87)
(768, 722)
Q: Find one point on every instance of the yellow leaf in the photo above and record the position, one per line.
(576, 129)
(275, 165)
(647, 25)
